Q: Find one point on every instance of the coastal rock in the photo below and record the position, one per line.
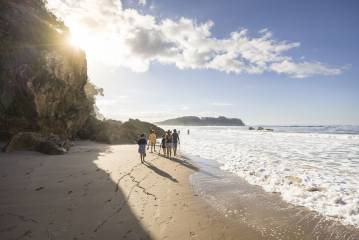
(45, 95)
(50, 148)
(43, 80)
(315, 189)
(203, 121)
(24, 141)
(52, 145)
(116, 132)
(340, 201)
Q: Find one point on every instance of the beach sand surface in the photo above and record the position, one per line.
(100, 191)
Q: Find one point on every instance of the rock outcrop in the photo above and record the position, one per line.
(203, 121)
(116, 132)
(43, 80)
(51, 145)
(45, 95)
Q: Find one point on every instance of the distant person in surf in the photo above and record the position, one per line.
(175, 141)
(152, 140)
(169, 144)
(187, 131)
(142, 142)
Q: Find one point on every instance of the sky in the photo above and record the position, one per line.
(267, 62)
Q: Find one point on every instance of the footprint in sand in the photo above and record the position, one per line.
(8, 229)
(192, 234)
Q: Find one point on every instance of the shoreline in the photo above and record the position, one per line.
(266, 212)
(99, 191)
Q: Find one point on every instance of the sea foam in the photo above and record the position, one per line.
(315, 170)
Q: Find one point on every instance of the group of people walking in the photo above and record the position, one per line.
(168, 144)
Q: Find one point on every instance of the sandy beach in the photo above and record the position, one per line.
(103, 192)
(99, 191)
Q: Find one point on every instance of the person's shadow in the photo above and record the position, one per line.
(184, 163)
(160, 172)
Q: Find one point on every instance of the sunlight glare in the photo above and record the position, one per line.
(79, 37)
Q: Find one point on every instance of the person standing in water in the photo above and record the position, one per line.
(169, 144)
(152, 139)
(176, 140)
(142, 142)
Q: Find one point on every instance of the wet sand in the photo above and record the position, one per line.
(104, 192)
(246, 204)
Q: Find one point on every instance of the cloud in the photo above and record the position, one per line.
(128, 38)
(110, 102)
(304, 69)
(221, 104)
(142, 2)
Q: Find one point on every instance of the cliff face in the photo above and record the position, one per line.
(43, 81)
(45, 96)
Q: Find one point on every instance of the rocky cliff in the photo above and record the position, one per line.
(45, 95)
(43, 80)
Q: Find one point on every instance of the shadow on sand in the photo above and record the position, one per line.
(160, 172)
(184, 163)
(63, 197)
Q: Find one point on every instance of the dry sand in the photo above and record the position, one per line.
(104, 192)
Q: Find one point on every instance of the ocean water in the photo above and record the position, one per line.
(312, 166)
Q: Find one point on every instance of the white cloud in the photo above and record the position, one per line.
(127, 38)
(142, 2)
(110, 102)
(304, 69)
(221, 104)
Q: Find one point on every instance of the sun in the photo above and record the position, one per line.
(96, 44)
(76, 41)
(79, 37)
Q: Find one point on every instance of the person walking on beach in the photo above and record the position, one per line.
(142, 142)
(163, 145)
(152, 139)
(176, 140)
(169, 144)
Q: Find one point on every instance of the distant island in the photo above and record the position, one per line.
(203, 121)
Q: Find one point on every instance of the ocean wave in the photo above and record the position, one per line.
(315, 170)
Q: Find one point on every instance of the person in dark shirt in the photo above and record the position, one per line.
(169, 144)
(163, 145)
(142, 142)
(175, 141)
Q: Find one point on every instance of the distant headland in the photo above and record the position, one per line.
(203, 121)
